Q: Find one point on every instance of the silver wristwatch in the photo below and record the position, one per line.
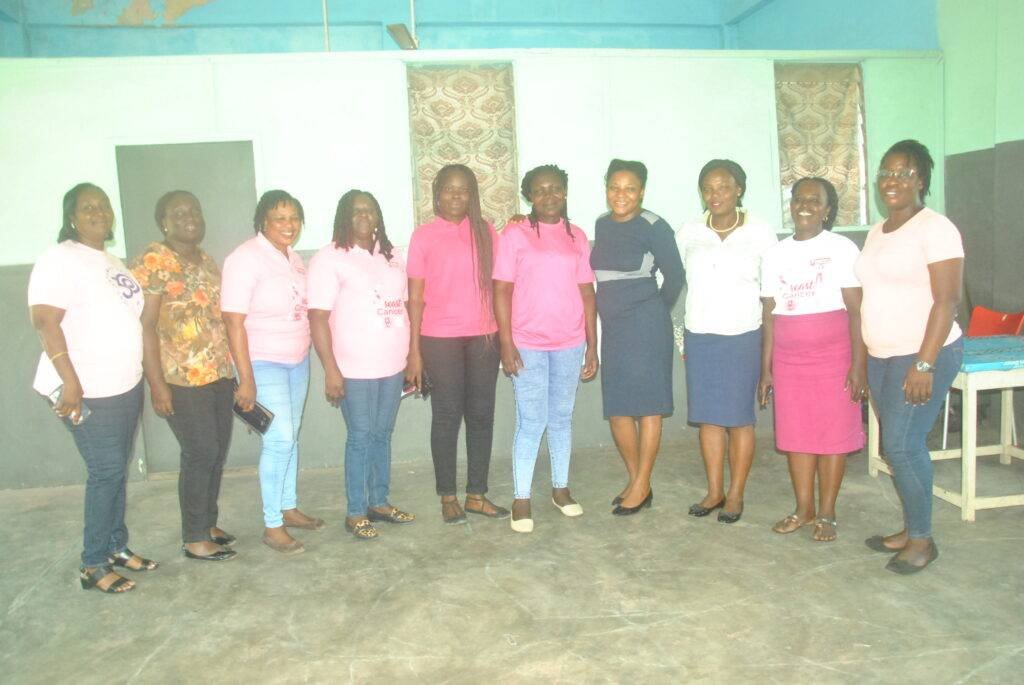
(924, 367)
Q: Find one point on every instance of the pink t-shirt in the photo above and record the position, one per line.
(365, 295)
(547, 270)
(270, 290)
(893, 269)
(441, 253)
(102, 302)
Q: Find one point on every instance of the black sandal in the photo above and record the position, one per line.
(495, 513)
(90, 580)
(123, 557)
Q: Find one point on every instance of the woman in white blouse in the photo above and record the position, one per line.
(722, 257)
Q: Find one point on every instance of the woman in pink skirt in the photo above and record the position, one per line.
(813, 358)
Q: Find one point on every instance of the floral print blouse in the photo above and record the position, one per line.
(193, 338)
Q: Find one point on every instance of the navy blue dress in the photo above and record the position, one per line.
(636, 327)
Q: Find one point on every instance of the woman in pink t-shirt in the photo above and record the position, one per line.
(911, 268)
(263, 300)
(547, 323)
(85, 305)
(360, 328)
(452, 343)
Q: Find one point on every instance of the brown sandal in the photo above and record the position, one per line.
(790, 524)
(819, 528)
(495, 512)
(451, 510)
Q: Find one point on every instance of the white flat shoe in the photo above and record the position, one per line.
(522, 525)
(573, 509)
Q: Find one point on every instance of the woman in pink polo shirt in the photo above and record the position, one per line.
(263, 300)
(452, 336)
(547, 322)
(360, 328)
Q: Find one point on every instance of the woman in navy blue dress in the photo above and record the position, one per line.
(631, 244)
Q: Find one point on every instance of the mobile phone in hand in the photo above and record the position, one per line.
(54, 399)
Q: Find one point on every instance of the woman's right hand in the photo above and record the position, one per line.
(765, 387)
(160, 396)
(334, 387)
(245, 395)
(70, 403)
(516, 219)
(414, 371)
(511, 362)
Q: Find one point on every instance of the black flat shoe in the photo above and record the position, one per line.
(877, 543)
(903, 568)
(123, 557)
(629, 511)
(223, 540)
(698, 510)
(729, 517)
(219, 555)
(616, 501)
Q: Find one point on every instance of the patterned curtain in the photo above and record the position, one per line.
(465, 114)
(819, 116)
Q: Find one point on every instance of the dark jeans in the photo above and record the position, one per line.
(463, 373)
(105, 440)
(202, 424)
(905, 427)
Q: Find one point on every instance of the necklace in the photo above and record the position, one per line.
(711, 223)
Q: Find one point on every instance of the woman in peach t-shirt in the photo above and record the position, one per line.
(911, 270)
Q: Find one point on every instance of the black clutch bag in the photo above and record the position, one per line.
(258, 418)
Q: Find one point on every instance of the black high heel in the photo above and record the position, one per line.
(629, 511)
(698, 510)
(89, 580)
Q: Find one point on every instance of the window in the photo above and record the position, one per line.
(820, 111)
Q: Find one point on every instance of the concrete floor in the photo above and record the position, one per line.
(658, 597)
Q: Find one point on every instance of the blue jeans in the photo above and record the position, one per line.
(281, 388)
(545, 391)
(105, 440)
(370, 407)
(905, 428)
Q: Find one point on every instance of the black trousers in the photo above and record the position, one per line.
(463, 373)
(202, 424)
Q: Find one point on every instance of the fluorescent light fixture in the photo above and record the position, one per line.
(400, 33)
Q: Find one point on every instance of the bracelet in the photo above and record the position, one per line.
(58, 355)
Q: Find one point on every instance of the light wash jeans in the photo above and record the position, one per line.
(545, 392)
(281, 388)
(370, 407)
(905, 428)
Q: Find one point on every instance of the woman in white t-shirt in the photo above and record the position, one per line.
(85, 304)
(813, 357)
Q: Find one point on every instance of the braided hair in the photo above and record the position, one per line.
(483, 247)
(919, 156)
(527, 190)
(343, 223)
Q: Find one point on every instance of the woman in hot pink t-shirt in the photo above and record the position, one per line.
(263, 301)
(360, 329)
(547, 321)
(452, 344)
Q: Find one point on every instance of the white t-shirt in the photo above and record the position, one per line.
(102, 303)
(807, 276)
(723, 277)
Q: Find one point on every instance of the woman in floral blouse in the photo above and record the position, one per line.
(185, 357)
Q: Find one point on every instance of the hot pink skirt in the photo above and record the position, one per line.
(810, 360)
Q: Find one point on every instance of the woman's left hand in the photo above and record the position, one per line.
(917, 386)
(590, 364)
(856, 385)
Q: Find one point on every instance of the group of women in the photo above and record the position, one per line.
(806, 322)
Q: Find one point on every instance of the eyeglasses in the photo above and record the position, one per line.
(900, 174)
